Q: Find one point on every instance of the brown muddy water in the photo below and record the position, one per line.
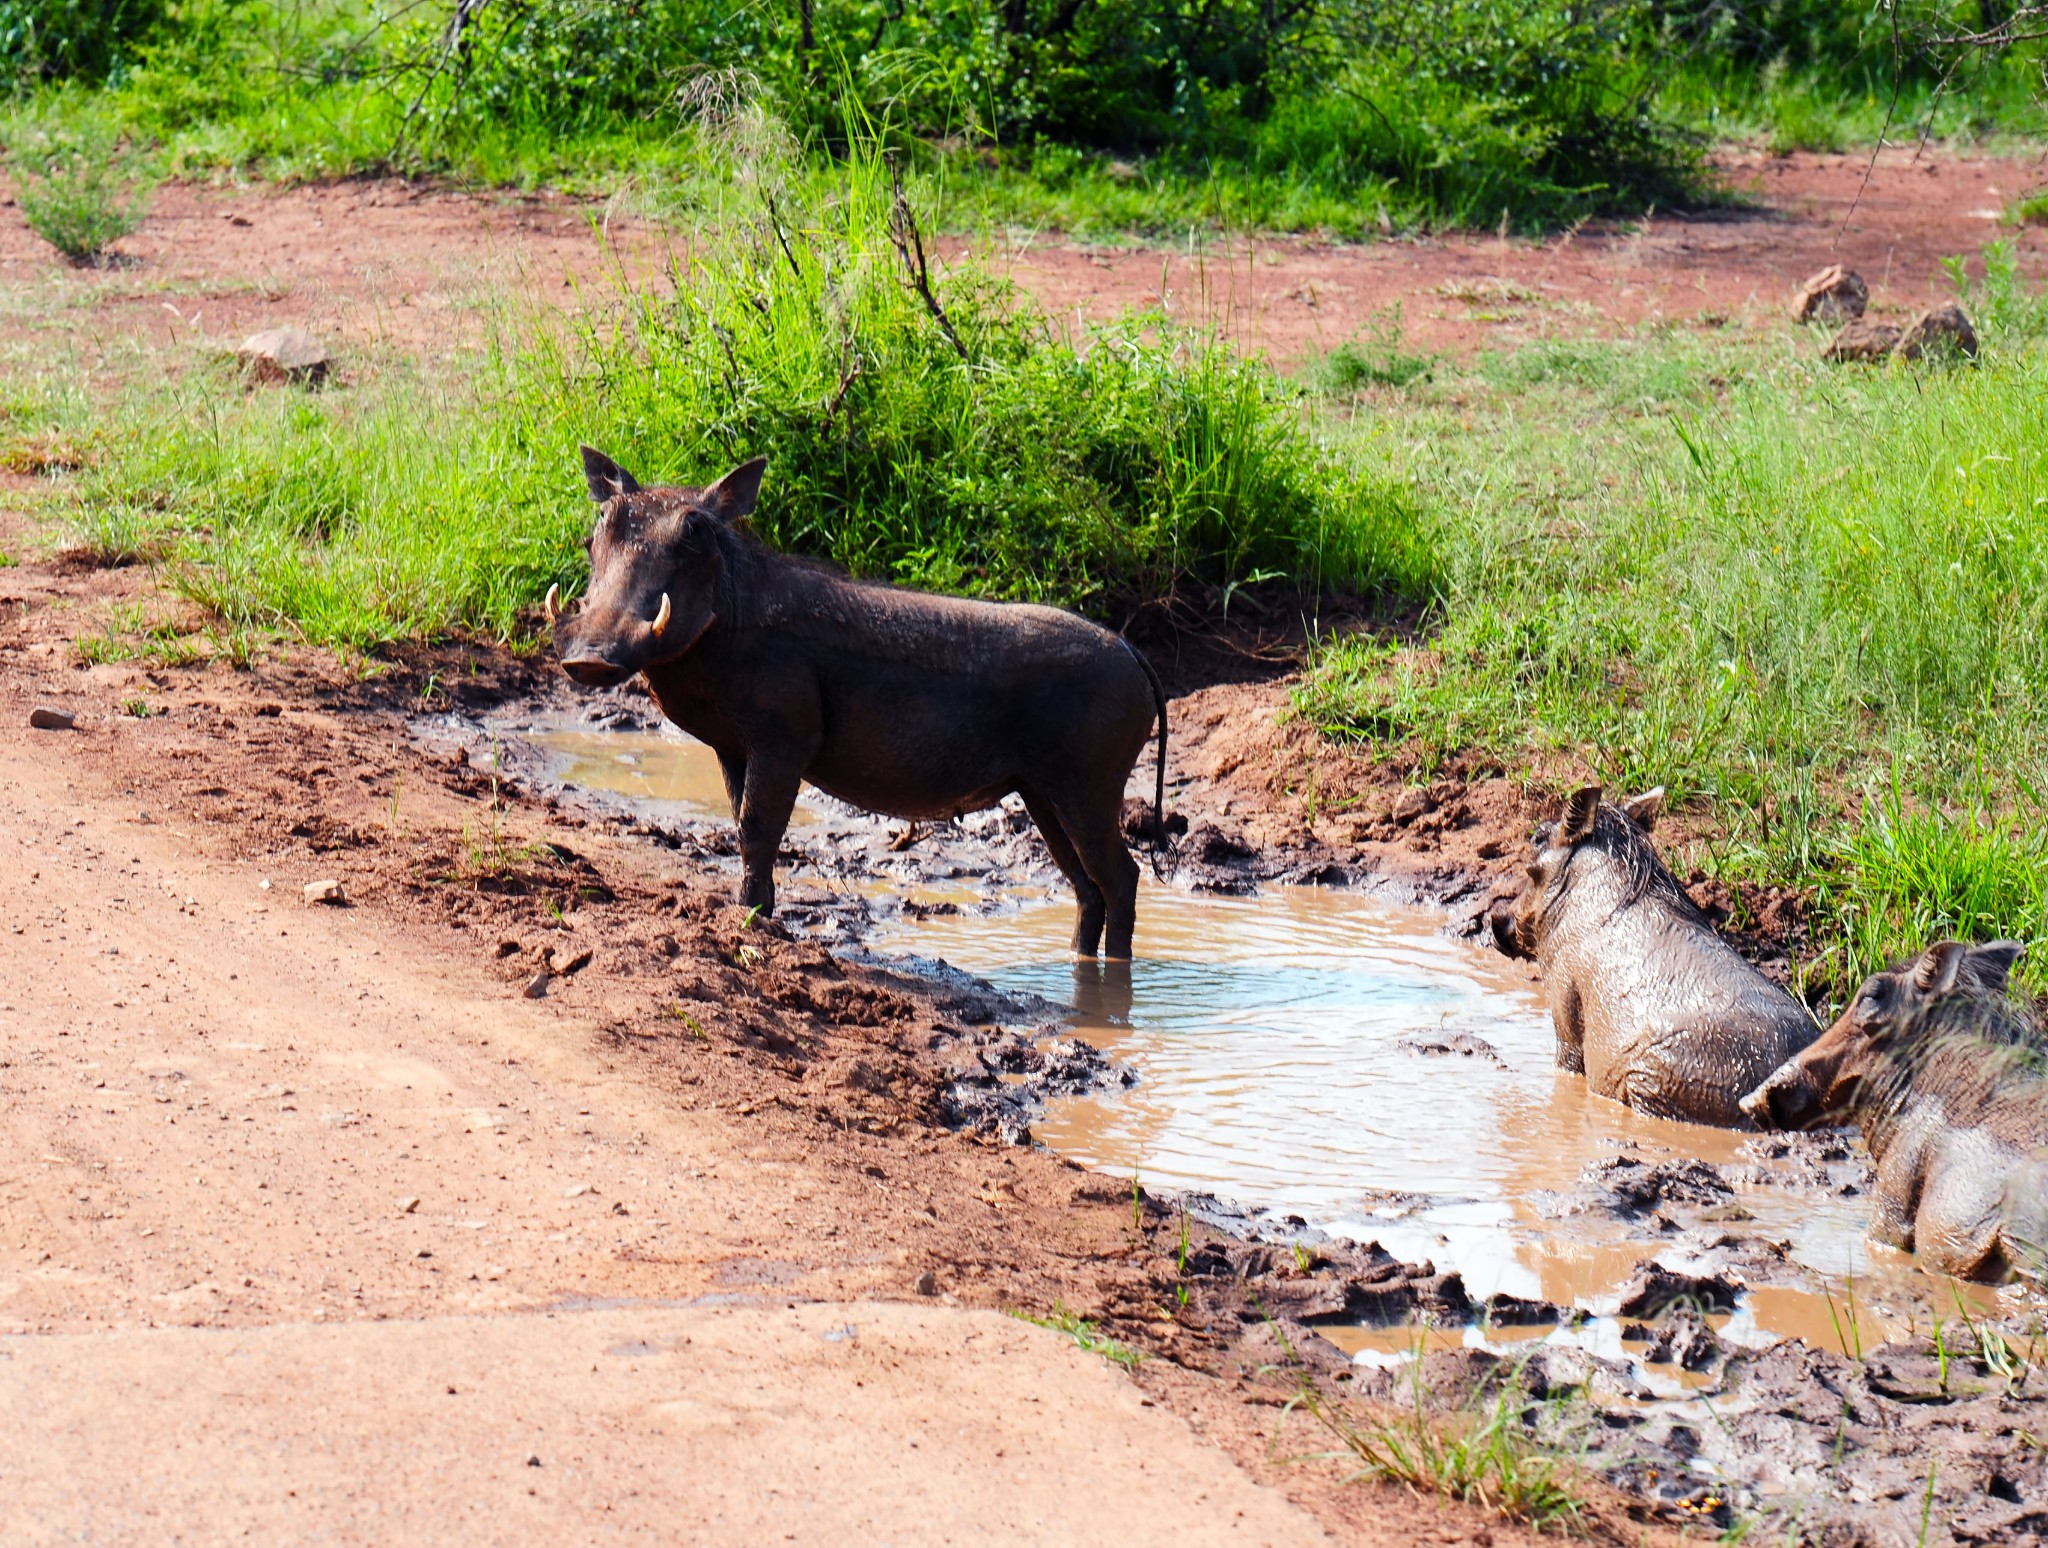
(1280, 1044)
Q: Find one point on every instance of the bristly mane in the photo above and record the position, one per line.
(1644, 874)
(1975, 1044)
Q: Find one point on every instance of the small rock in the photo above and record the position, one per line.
(43, 718)
(1684, 1340)
(1413, 803)
(1939, 333)
(537, 986)
(283, 355)
(328, 891)
(578, 1191)
(925, 1284)
(1655, 1288)
(1835, 294)
(407, 1205)
(1862, 341)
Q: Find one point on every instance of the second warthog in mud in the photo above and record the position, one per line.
(1940, 1065)
(1656, 1009)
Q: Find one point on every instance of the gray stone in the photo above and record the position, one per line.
(1940, 332)
(43, 718)
(284, 355)
(1835, 294)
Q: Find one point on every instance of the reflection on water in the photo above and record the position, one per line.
(1276, 1037)
(665, 772)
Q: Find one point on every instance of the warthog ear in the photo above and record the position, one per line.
(732, 497)
(1645, 809)
(606, 478)
(1993, 963)
(1579, 811)
(1939, 964)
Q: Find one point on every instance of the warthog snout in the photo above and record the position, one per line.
(595, 672)
(1788, 1100)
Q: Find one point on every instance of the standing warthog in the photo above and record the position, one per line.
(1649, 1003)
(1940, 1066)
(902, 703)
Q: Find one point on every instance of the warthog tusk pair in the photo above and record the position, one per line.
(550, 607)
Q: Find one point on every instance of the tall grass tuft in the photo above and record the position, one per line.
(1911, 875)
(921, 422)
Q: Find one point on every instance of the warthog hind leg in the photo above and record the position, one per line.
(1088, 898)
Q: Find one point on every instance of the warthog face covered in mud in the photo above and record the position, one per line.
(1887, 1030)
(1518, 930)
(654, 571)
(1649, 1003)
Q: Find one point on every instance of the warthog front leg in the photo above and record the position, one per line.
(769, 797)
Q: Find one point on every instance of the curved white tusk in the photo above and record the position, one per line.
(661, 618)
(548, 606)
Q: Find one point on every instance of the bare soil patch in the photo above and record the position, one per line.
(1293, 298)
(419, 270)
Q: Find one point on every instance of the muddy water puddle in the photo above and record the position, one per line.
(1317, 1053)
(668, 774)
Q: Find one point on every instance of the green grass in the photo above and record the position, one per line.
(1085, 1334)
(1482, 1455)
(1767, 585)
(955, 442)
(1356, 118)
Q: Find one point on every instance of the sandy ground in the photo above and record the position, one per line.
(306, 1227)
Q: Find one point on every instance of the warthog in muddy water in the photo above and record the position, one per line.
(1941, 1066)
(911, 705)
(1654, 1008)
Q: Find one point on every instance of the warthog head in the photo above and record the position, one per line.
(1870, 1054)
(653, 570)
(1591, 837)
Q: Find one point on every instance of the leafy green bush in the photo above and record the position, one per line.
(87, 40)
(78, 187)
(926, 428)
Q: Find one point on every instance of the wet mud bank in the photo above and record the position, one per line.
(1690, 1314)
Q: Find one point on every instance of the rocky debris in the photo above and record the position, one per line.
(1822, 1159)
(1682, 1339)
(537, 986)
(1464, 1379)
(1287, 1346)
(925, 1284)
(44, 718)
(1336, 1282)
(1627, 1187)
(1501, 1310)
(283, 355)
(1463, 1043)
(1000, 1079)
(1862, 341)
(1939, 333)
(1833, 295)
(327, 891)
(1411, 805)
(1655, 1288)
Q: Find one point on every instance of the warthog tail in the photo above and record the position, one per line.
(1159, 844)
